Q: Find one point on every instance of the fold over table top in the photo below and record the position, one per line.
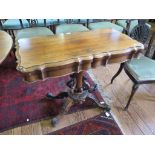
(52, 53)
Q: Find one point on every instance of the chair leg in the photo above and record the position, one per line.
(134, 89)
(118, 72)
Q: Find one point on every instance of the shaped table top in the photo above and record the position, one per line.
(6, 43)
(80, 48)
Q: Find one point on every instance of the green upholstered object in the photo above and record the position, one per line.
(79, 21)
(14, 24)
(105, 25)
(40, 22)
(62, 21)
(73, 21)
(123, 23)
(70, 28)
(142, 69)
(33, 32)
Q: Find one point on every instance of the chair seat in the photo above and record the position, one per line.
(14, 24)
(33, 32)
(123, 23)
(70, 28)
(142, 69)
(105, 25)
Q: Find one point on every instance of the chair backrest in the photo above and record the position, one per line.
(33, 22)
(70, 21)
(99, 20)
(150, 52)
(1, 23)
(1, 26)
(140, 32)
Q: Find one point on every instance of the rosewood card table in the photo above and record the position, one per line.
(52, 56)
(6, 43)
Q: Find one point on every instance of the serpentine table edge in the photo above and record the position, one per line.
(78, 63)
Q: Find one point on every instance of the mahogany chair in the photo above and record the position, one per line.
(140, 70)
(70, 26)
(11, 25)
(36, 28)
(79, 21)
(129, 24)
(103, 24)
(150, 44)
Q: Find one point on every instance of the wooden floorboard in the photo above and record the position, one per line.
(138, 120)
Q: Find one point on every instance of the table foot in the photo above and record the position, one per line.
(100, 104)
(68, 102)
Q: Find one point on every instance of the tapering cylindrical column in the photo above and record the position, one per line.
(79, 82)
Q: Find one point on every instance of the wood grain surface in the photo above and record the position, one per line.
(52, 56)
(5, 45)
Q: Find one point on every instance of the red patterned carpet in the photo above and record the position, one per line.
(98, 125)
(21, 101)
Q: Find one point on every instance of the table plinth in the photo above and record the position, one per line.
(80, 89)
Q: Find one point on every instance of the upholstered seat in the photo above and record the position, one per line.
(14, 24)
(70, 28)
(134, 23)
(33, 32)
(105, 25)
(142, 69)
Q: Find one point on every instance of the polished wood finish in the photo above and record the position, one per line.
(59, 55)
(79, 81)
(5, 45)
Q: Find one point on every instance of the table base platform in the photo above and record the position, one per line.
(74, 96)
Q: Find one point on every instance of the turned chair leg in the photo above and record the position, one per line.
(134, 89)
(118, 72)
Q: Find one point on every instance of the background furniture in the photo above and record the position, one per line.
(34, 30)
(130, 24)
(100, 24)
(10, 25)
(151, 46)
(140, 70)
(6, 43)
(70, 28)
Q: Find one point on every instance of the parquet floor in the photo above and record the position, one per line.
(138, 120)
